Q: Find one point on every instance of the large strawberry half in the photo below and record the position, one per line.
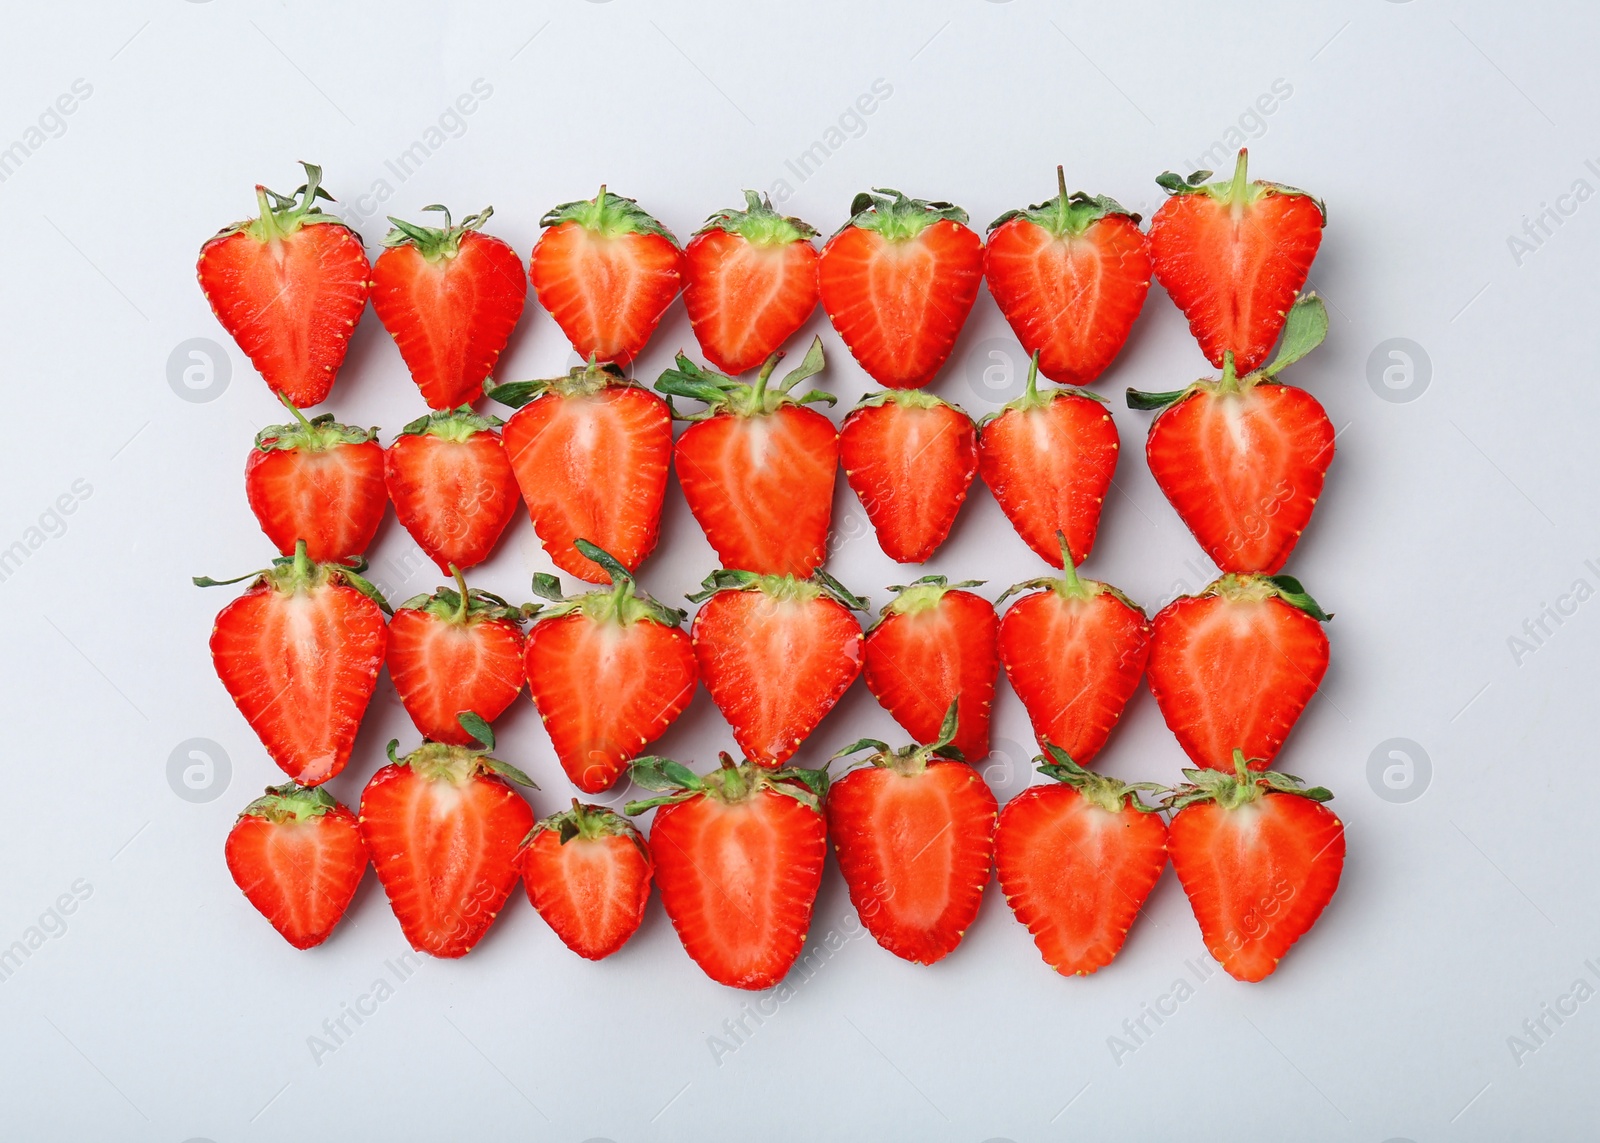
(450, 297)
(452, 485)
(587, 871)
(289, 287)
(898, 281)
(1070, 275)
(317, 481)
(1233, 255)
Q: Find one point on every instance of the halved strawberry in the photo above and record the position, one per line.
(1074, 650)
(289, 287)
(452, 485)
(1243, 459)
(609, 672)
(1259, 856)
(450, 297)
(933, 646)
(607, 272)
(915, 839)
(738, 856)
(776, 653)
(298, 857)
(1070, 275)
(757, 466)
(1076, 860)
(898, 281)
(1233, 255)
(910, 458)
(299, 652)
(443, 826)
(587, 871)
(750, 281)
(453, 651)
(590, 452)
(1049, 458)
(317, 481)
(1233, 667)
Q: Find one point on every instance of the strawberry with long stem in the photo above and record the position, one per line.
(453, 486)
(587, 872)
(318, 481)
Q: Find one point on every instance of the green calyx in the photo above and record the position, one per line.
(1237, 191)
(781, 588)
(723, 394)
(315, 435)
(909, 761)
(1033, 398)
(1067, 586)
(623, 604)
(1244, 587)
(585, 822)
(300, 575)
(464, 606)
(455, 425)
(922, 595)
(435, 243)
(1240, 788)
(1067, 216)
(759, 224)
(906, 399)
(731, 783)
(282, 215)
(580, 381)
(290, 803)
(608, 215)
(457, 765)
(1110, 794)
(896, 217)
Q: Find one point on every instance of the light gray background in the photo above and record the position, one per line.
(168, 1010)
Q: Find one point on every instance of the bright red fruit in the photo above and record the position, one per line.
(590, 452)
(750, 281)
(776, 653)
(298, 857)
(757, 466)
(1048, 458)
(910, 458)
(317, 481)
(289, 287)
(587, 871)
(1070, 275)
(299, 652)
(609, 672)
(452, 485)
(898, 281)
(1233, 255)
(738, 856)
(1233, 667)
(607, 272)
(1259, 857)
(1076, 859)
(934, 645)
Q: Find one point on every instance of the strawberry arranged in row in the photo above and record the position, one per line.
(450, 297)
(757, 467)
(299, 652)
(452, 485)
(776, 653)
(608, 670)
(289, 287)
(317, 481)
(738, 856)
(587, 871)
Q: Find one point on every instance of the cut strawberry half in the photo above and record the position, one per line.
(317, 481)
(587, 871)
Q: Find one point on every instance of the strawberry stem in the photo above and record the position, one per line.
(758, 392)
(1072, 586)
(1236, 189)
(302, 562)
(298, 415)
(461, 586)
(1030, 394)
(1229, 382)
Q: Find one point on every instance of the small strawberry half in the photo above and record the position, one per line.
(898, 281)
(1233, 667)
(443, 826)
(590, 452)
(1070, 275)
(1076, 859)
(452, 485)
(450, 297)
(289, 287)
(776, 653)
(910, 459)
(1074, 650)
(317, 481)
(738, 856)
(915, 840)
(298, 857)
(609, 672)
(749, 282)
(1243, 459)
(1233, 255)
(587, 871)
(757, 466)
(1259, 856)
(455, 651)
(1048, 457)
(936, 645)
(606, 271)
(299, 653)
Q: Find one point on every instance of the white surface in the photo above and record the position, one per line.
(167, 1009)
